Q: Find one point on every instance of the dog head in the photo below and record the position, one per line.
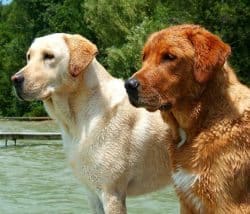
(177, 63)
(54, 63)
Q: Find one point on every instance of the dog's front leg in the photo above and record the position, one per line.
(114, 202)
(95, 203)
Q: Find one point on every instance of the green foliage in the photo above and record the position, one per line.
(20, 23)
(125, 58)
(230, 21)
(112, 21)
(119, 28)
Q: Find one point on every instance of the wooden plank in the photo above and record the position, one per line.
(26, 118)
(30, 135)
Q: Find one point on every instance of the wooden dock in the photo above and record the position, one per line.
(29, 136)
(25, 118)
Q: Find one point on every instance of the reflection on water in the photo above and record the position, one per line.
(35, 178)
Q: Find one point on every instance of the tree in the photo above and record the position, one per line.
(20, 23)
(119, 28)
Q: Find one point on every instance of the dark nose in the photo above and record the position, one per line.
(17, 79)
(132, 84)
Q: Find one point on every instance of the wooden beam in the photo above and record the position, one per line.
(29, 136)
(25, 118)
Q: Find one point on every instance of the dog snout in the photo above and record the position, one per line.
(132, 85)
(17, 79)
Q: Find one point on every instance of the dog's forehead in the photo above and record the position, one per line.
(53, 42)
(166, 36)
(168, 40)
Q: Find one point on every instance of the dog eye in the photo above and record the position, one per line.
(48, 56)
(168, 57)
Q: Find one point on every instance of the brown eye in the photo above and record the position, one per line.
(168, 57)
(143, 57)
(48, 56)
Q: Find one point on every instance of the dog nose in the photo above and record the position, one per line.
(17, 79)
(132, 84)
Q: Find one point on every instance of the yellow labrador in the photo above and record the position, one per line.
(114, 149)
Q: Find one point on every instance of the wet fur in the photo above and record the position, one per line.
(114, 149)
(211, 170)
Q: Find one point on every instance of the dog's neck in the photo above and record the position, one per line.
(74, 109)
(194, 115)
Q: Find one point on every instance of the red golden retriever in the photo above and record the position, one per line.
(186, 76)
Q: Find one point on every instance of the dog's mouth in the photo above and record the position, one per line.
(134, 101)
(149, 103)
(32, 95)
(18, 91)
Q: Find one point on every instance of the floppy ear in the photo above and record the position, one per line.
(82, 52)
(210, 54)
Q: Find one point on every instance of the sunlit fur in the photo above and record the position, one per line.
(114, 149)
(211, 170)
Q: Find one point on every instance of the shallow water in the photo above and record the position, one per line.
(35, 178)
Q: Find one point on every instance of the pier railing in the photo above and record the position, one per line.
(22, 135)
(29, 136)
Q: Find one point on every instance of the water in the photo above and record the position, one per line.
(35, 178)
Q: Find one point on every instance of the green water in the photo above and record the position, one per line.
(35, 178)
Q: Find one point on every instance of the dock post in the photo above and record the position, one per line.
(15, 141)
(6, 142)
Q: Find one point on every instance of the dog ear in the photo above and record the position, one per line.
(210, 53)
(82, 52)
